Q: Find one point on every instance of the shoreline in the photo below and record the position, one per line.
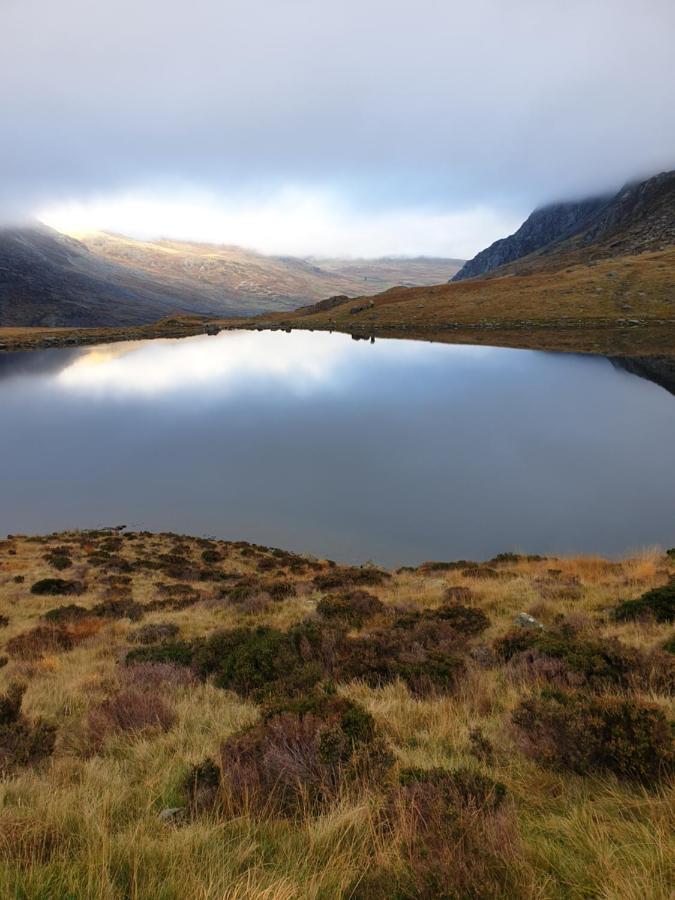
(598, 336)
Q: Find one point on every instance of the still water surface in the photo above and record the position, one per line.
(396, 452)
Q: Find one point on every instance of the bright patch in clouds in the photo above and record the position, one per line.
(290, 222)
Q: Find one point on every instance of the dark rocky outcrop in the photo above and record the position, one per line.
(543, 227)
(640, 217)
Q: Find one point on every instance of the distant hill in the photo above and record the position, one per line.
(49, 279)
(638, 218)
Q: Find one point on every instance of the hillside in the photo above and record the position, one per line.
(183, 717)
(639, 218)
(581, 308)
(51, 280)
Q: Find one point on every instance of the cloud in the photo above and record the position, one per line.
(392, 106)
(297, 222)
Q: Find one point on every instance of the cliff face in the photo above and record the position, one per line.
(543, 227)
(639, 217)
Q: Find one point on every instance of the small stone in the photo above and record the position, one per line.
(525, 620)
(171, 814)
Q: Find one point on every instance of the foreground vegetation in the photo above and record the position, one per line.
(182, 717)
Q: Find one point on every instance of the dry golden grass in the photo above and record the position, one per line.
(85, 823)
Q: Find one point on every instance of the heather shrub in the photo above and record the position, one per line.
(438, 566)
(70, 613)
(211, 556)
(658, 604)
(566, 658)
(255, 662)
(585, 733)
(124, 608)
(485, 572)
(42, 639)
(177, 653)
(152, 634)
(128, 710)
(59, 561)
(350, 576)
(458, 594)
(56, 587)
(201, 787)
(280, 589)
(22, 742)
(350, 608)
(456, 835)
(422, 653)
(464, 620)
(300, 758)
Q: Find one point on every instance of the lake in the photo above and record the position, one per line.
(396, 452)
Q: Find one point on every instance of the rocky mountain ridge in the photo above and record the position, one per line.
(640, 217)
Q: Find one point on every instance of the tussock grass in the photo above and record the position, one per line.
(84, 822)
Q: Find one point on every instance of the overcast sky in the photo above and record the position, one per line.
(306, 126)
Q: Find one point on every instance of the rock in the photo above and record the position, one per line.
(212, 329)
(172, 814)
(524, 620)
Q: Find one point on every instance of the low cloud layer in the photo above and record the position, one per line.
(434, 115)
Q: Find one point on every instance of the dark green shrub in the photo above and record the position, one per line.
(124, 608)
(438, 672)
(671, 553)
(177, 652)
(211, 556)
(350, 576)
(22, 742)
(4, 621)
(201, 787)
(658, 603)
(669, 645)
(432, 566)
(482, 572)
(279, 590)
(598, 663)
(255, 662)
(583, 734)
(351, 608)
(58, 561)
(70, 613)
(56, 587)
(506, 558)
(466, 620)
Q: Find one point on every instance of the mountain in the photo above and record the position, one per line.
(638, 218)
(51, 280)
(542, 228)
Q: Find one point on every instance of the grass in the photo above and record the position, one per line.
(84, 823)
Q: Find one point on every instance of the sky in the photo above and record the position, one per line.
(307, 127)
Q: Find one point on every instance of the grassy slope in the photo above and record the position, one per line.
(86, 825)
(639, 287)
(623, 306)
